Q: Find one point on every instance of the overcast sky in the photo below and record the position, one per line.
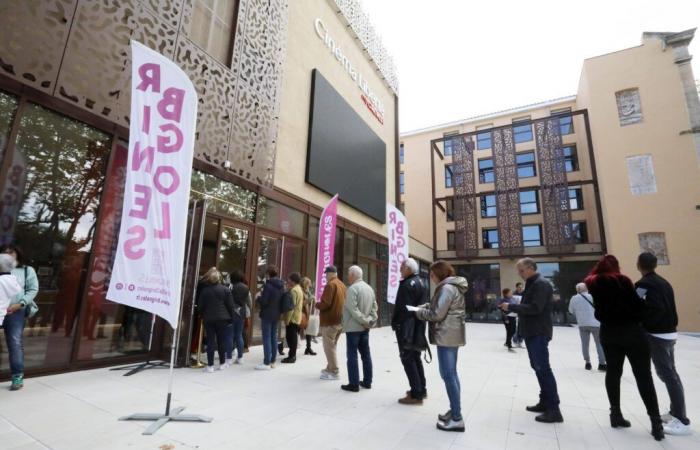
(459, 58)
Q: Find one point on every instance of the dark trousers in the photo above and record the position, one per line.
(538, 352)
(358, 341)
(413, 366)
(630, 342)
(509, 323)
(662, 355)
(218, 334)
(308, 341)
(292, 332)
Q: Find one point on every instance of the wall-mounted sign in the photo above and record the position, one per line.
(369, 98)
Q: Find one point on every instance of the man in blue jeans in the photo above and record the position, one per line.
(535, 314)
(270, 312)
(359, 315)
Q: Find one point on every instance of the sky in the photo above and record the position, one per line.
(461, 58)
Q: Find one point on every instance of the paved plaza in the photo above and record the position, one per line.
(291, 408)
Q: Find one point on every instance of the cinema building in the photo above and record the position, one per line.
(613, 169)
(297, 102)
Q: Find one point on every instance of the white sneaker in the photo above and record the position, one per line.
(330, 376)
(451, 425)
(209, 369)
(229, 362)
(263, 367)
(272, 365)
(223, 366)
(666, 418)
(239, 361)
(677, 428)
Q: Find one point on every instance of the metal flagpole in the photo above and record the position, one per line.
(175, 416)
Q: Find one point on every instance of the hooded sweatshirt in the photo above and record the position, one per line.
(270, 299)
(446, 313)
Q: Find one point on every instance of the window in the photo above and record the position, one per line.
(488, 206)
(279, 217)
(483, 141)
(580, 232)
(486, 170)
(448, 176)
(526, 164)
(450, 240)
(575, 199)
(401, 153)
(450, 209)
(529, 202)
(449, 142)
(490, 238)
(570, 158)
(532, 235)
(401, 183)
(522, 133)
(211, 27)
(566, 124)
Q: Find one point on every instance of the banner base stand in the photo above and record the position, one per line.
(136, 368)
(162, 419)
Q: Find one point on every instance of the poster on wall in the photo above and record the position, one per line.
(147, 271)
(397, 233)
(326, 243)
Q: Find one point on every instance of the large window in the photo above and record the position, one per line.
(566, 124)
(279, 217)
(526, 164)
(450, 209)
(486, 170)
(532, 235)
(522, 132)
(570, 158)
(449, 143)
(529, 202)
(450, 240)
(488, 206)
(401, 183)
(580, 232)
(448, 175)
(489, 237)
(575, 198)
(211, 27)
(483, 141)
(484, 290)
(224, 198)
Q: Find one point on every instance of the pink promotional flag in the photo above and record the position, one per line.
(326, 243)
(147, 272)
(397, 231)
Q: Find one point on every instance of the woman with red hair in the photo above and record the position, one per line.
(619, 310)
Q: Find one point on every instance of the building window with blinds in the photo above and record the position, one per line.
(212, 27)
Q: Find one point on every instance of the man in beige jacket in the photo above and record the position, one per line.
(331, 312)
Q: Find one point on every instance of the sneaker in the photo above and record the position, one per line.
(17, 382)
(550, 417)
(229, 362)
(209, 369)
(350, 387)
(677, 428)
(409, 400)
(519, 345)
(588, 366)
(289, 360)
(451, 425)
(445, 417)
(272, 365)
(330, 376)
(538, 408)
(223, 366)
(666, 418)
(263, 367)
(239, 361)
(602, 367)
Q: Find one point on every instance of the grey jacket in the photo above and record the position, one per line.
(446, 313)
(360, 309)
(580, 307)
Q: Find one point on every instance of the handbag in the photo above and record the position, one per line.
(31, 309)
(304, 318)
(312, 328)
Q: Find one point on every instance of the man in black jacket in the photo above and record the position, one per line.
(660, 320)
(535, 315)
(403, 322)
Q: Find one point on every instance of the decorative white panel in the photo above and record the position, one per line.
(640, 171)
(629, 106)
(655, 242)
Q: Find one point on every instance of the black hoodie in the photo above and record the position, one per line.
(270, 299)
(659, 314)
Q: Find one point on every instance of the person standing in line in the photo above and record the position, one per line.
(310, 305)
(517, 297)
(445, 315)
(270, 312)
(535, 314)
(241, 302)
(408, 330)
(21, 307)
(215, 306)
(359, 315)
(292, 319)
(509, 318)
(660, 320)
(619, 310)
(331, 313)
(581, 306)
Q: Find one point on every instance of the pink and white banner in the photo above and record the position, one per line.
(397, 228)
(326, 243)
(147, 271)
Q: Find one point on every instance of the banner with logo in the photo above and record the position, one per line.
(326, 243)
(397, 230)
(147, 271)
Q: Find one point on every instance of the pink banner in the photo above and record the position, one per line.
(397, 227)
(147, 271)
(326, 243)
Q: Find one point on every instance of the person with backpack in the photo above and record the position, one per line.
(410, 332)
(294, 301)
(270, 303)
(581, 307)
(21, 307)
(241, 303)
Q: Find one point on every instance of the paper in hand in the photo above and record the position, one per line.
(412, 308)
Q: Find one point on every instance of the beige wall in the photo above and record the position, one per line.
(673, 208)
(305, 52)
